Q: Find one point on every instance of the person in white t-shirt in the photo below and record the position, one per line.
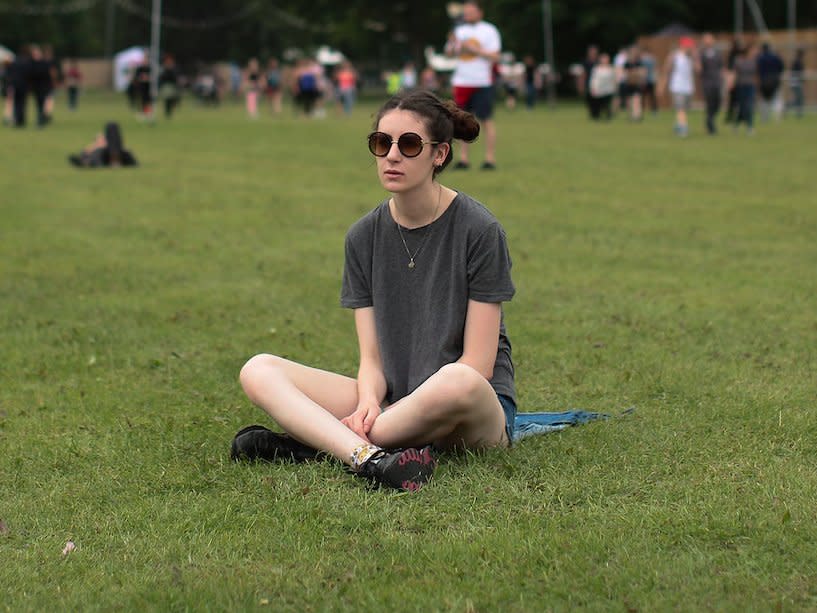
(476, 45)
(679, 81)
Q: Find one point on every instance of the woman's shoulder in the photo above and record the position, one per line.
(473, 213)
(365, 225)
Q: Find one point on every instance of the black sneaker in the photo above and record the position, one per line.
(259, 443)
(462, 165)
(402, 469)
(488, 166)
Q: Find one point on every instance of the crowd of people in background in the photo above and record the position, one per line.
(739, 79)
(743, 81)
(33, 72)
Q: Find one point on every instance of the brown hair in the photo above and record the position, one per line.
(445, 120)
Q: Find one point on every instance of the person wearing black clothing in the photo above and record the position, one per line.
(531, 81)
(711, 69)
(732, 99)
(41, 82)
(17, 76)
(54, 80)
(169, 85)
(587, 67)
(106, 151)
(141, 87)
(769, 71)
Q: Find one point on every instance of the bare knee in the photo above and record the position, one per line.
(257, 371)
(461, 384)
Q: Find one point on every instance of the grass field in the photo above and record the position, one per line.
(676, 277)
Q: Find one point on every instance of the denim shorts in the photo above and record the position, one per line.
(509, 407)
(476, 100)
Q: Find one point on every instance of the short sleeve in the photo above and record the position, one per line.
(493, 41)
(489, 267)
(356, 289)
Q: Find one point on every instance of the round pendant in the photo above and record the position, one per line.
(411, 264)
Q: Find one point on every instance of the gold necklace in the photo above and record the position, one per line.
(411, 263)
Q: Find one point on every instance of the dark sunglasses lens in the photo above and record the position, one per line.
(379, 144)
(410, 144)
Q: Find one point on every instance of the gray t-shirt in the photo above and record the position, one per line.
(711, 69)
(420, 312)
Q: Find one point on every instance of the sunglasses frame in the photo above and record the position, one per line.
(423, 143)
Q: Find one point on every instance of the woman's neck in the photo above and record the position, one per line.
(420, 206)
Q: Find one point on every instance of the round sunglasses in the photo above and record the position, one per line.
(410, 144)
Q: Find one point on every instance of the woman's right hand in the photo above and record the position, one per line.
(361, 421)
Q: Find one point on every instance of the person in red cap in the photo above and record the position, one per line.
(679, 80)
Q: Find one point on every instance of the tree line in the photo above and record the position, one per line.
(367, 31)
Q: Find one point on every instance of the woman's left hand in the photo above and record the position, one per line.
(361, 421)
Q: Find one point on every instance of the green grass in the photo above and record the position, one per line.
(676, 277)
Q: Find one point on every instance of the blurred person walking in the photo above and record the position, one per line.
(73, 81)
(732, 97)
(346, 83)
(533, 81)
(140, 84)
(650, 80)
(769, 72)
(796, 76)
(41, 81)
(712, 70)
(745, 80)
(679, 81)
(619, 60)
(305, 86)
(18, 74)
(408, 77)
(53, 81)
(635, 77)
(429, 79)
(252, 87)
(169, 90)
(5, 92)
(512, 77)
(591, 58)
(603, 86)
(274, 82)
(476, 45)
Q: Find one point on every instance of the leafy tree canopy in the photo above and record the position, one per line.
(371, 32)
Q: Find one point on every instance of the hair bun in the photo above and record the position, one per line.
(466, 126)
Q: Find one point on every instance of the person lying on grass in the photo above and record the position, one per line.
(426, 273)
(106, 151)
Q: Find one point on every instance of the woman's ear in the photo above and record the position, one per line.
(441, 153)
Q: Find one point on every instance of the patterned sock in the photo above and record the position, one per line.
(363, 454)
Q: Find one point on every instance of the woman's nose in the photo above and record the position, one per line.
(394, 151)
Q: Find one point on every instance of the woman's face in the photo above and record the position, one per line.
(398, 173)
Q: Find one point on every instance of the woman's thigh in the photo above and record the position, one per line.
(335, 393)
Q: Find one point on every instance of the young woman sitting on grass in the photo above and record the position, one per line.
(426, 273)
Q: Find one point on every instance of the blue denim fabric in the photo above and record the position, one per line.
(509, 406)
(531, 424)
(746, 104)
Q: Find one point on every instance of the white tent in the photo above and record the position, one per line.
(5, 54)
(328, 56)
(124, 64)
